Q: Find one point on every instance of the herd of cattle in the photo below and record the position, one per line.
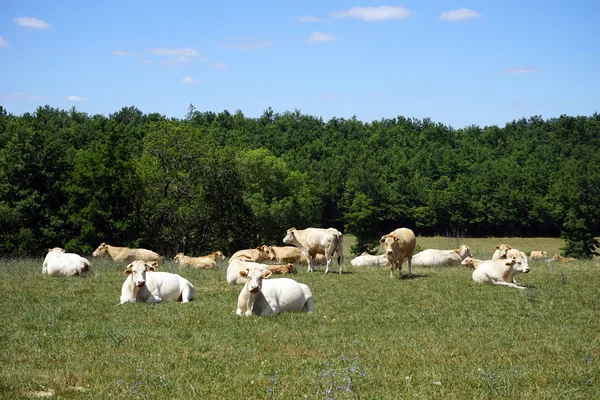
(253, 268)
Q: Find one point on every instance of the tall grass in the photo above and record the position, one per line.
(437, 335)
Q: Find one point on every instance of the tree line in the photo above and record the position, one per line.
(226, 181)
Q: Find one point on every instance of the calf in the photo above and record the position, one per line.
(59, 263)
(271, 297)
(283, 269)
(194, 262)
(558, 257)
(144, 285)
(500, 272)
(471, 262)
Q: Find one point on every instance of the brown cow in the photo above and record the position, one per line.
(216, 255)
(538, 255)
(194, 262)
(283, 269)
(125, 253)
(563, 259)
(259, 254)
(399, 244)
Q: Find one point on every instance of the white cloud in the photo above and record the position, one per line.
(459, 14)
(221, 65)
(371, 14)
(21, 96)
(3, 42)
(122, 53)
(520, 70)
(187, 79)
(30, 22)
(247, 43)
(76, 98)
(187, 52)
(310, 18)
(320, 37)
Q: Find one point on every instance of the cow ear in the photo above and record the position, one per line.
(382, 240)
(497, 247)
(396, 239)
(149, 267)
(128, 271)
(244, 273)
(267, 274)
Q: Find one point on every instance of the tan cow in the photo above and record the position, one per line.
(282, 269)
(538, 255)
(558, 257)
(194, 262)
(399, 245)
(125, 253)
(313, 241)
(217, 256)
(292, 254)
(501, 251)
(471, 262)
(259, 254)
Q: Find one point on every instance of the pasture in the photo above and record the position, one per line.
(435, 336)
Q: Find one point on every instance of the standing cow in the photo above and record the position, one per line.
(399, 245)
(313, 241)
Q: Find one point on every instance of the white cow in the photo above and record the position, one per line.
(500, 272)
(313, 241)
(271, 296)
(434, 257)
(146, 286)
(237, 265)
(59, 263)
(368, 260)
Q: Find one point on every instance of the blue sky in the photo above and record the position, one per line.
(456, 62)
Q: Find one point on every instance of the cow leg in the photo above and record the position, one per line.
(510, 284)
(409, 262)
(187, 294)
(399, 264)
(340, 261)
(391, 264)
(329, 260)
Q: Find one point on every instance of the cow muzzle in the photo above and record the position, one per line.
(141, 283)
(254, 289)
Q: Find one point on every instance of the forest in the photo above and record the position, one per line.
(223, 181)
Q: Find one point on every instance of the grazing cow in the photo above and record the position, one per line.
(59, 263)
(368, 260)
(313, 241)
(194, 262)
(125, 253)
(538, 255)
(399, 245)
(145, 286)
(433, 257)
(501, 251)
(471, 262)
(217, 256)
(240, 264)
(282, 269)
(259, 254)
(271, 296)
(500, 272)
(558, 257)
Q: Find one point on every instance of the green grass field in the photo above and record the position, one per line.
(435, 336)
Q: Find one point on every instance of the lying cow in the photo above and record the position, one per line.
(313, 241)
(282, 269)
(237, 265)
(292, 254)
(399, 245)
(558, 257)
(434, 257)
(538, 255)
(259, 254)
(194, 262)
(217, 256)
(125, 253)
(500, 272)
(501, 251)
(368, 260)
(271, 296)
(59, 263)
(145, 286)
(471, 262)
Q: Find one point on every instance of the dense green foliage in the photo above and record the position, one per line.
(225, 181)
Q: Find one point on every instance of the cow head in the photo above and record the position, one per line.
(504, 248)
(102, 249)
(265, 252)
(219, 256)
(388, 241)
(254, 276)
(463, 251)
(57, 249)
(518, 264)
(468, 262)
(290, 236)
(137, 270)
(178, 257)
(545, 254)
